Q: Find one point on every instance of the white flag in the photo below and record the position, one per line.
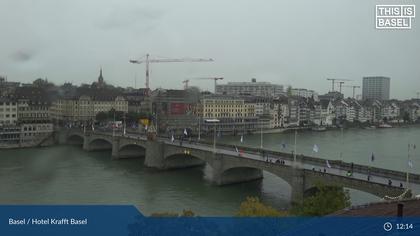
(172, 138)
(93, 127)
(328, 164)
(185, 132)
(236, 148)
(125, 130)
(410, 164)
(242, 138)
(315, 148)
(145, 128)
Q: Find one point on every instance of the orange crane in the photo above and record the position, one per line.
(341, 83)
(354, 89)
(186, 84)
(212, 78)
(147, 62)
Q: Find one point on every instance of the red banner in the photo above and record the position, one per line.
(179, 108)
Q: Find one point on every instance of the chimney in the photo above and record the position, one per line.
(400, 207)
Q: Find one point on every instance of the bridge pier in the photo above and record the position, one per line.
(298, 186)
(86, 141)
(154, 154)
(115, 148)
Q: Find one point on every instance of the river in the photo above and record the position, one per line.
(68, 175)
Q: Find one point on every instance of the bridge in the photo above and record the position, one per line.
(230, 167)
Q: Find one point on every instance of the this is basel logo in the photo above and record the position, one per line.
(394, 16)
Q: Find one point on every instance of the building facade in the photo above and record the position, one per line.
(376, 88)
(254, 88)
(234, 114)
(8, 112)
(85, 108)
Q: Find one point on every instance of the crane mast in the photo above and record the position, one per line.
(333, 81)
(213, 78)
(354, 89)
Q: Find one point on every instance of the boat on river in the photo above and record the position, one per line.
(385, 126)
(319, 128)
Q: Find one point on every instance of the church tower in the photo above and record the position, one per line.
(100, 78)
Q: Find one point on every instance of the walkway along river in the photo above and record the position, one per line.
(68, 175)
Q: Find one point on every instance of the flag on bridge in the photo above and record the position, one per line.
(242, 138)
(328, 164)
(145, 128)
(372, 158)
(185, 132)
(283, 145)
(315, 148)
(236, 148)
(93, 127)
(172, 138)
(410, 164)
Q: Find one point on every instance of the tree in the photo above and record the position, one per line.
(253, 207)
(101, 116)
(406, 117)
(326, 200)
(289, 91)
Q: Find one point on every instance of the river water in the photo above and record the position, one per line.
(68, 175)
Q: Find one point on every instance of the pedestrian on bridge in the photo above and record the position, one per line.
(389, 182)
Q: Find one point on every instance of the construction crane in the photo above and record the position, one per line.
(147, 62)
(333, 82)
(212, 78)
(354, 89)
(185, 82)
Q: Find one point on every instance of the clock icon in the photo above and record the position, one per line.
(387, 226)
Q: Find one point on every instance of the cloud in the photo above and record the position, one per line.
(22, 55)
(125, 17)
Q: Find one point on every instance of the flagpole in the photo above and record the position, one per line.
(408, 161)
(261, 146)
(294, 152)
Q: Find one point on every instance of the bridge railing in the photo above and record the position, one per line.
(392, 174)
(386, 173)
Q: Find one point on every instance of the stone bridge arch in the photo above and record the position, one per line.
(97, 143)
(182, 157)
(376, 189)
(75, 139)
(131, 150)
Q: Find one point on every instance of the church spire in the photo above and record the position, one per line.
(100, 79)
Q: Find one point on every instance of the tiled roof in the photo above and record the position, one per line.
(411, 207)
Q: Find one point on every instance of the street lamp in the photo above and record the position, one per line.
(214, 122)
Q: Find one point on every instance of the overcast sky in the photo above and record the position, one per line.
(291, 42)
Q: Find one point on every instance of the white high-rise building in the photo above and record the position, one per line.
(376, 88)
